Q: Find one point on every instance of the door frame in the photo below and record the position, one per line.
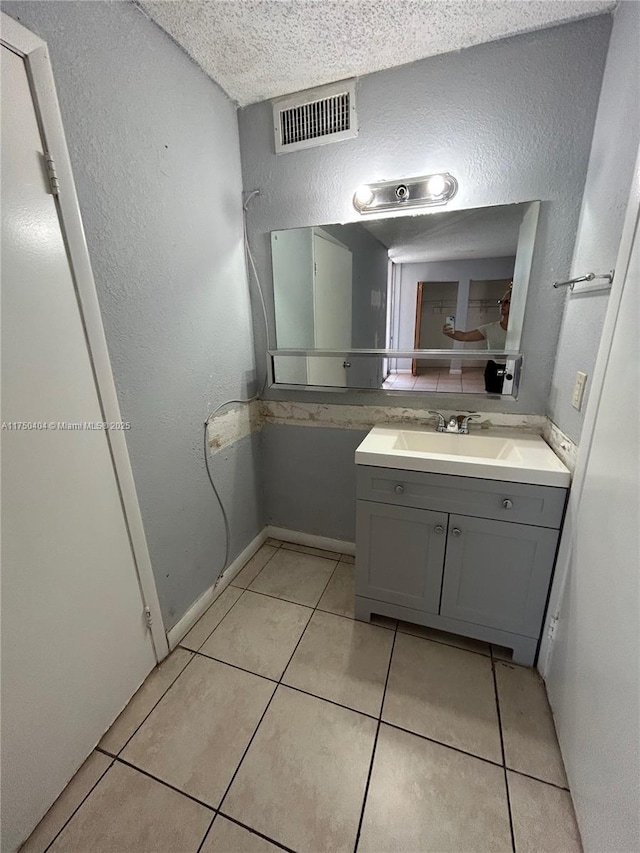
(418, 325)
(418, 322)
(34, 51)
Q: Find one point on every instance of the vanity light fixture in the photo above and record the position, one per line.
(427, 191)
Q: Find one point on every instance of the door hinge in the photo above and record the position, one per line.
(147, 616)
(553, 626)
(52, 174)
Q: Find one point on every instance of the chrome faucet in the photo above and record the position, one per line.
(458, 424)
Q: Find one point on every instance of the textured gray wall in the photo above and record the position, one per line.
(309, 477)
(154, 148)
(512, 120)
(615, 145)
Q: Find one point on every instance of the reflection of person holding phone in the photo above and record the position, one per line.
(495, 334)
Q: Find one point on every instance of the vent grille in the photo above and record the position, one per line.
(309, 121)
(314, 118)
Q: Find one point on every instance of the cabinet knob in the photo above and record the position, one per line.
(439, 528)
(399, 489)
(507, 504)
(456, 531)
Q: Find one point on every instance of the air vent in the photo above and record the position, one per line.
(315, 117)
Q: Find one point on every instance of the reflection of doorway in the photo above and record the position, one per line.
(434, 301)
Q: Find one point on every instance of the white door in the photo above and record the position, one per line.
(332, 310)
(594, 679)
(75, 645)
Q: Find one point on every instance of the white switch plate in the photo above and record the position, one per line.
(578, 390)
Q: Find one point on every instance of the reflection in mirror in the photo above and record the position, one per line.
(453, 280)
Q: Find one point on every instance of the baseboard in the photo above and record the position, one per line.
(310, 539)
(186, 623)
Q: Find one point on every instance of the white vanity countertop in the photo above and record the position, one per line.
(497, 454)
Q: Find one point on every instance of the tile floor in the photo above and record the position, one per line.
(280, 723)
(470, 381)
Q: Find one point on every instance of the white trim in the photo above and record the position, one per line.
(593, 404)
(36, 57)
(19, 38)
(189, 619)
(311, 540)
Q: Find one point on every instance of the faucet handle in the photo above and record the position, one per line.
(441, 419)
(463, 420)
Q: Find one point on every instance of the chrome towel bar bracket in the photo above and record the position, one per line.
(588, 277)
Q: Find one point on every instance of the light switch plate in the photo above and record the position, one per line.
(578, 390)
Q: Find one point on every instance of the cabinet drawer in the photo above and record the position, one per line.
(520, 502)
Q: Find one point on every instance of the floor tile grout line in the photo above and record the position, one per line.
(285, 684)
(237, 599)
(278, 684)
(315, 608)
(255, 731)
(375, 744)
(353, 619)
(504, 760)
(143, 721)
(441, 743)
(330, 701)
(206, 835)
(309, 554)
(164, 782)
(538, 779)
(246, 826)
(78, 807)
(280, 598)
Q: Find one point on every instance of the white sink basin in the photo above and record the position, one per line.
(508, 455)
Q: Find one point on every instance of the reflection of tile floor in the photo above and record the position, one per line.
(470, 381)
(281, 723)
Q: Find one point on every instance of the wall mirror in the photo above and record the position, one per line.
(404, 303)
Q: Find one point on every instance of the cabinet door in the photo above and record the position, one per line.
(497, 573)
(400, 554)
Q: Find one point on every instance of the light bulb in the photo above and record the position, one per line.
(436, 185)
(363, 197)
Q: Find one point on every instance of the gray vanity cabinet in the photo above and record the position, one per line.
(466, 555)
(497, 573)
(411, 575)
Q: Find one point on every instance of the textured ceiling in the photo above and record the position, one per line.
(258, 49)
(486, 232)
